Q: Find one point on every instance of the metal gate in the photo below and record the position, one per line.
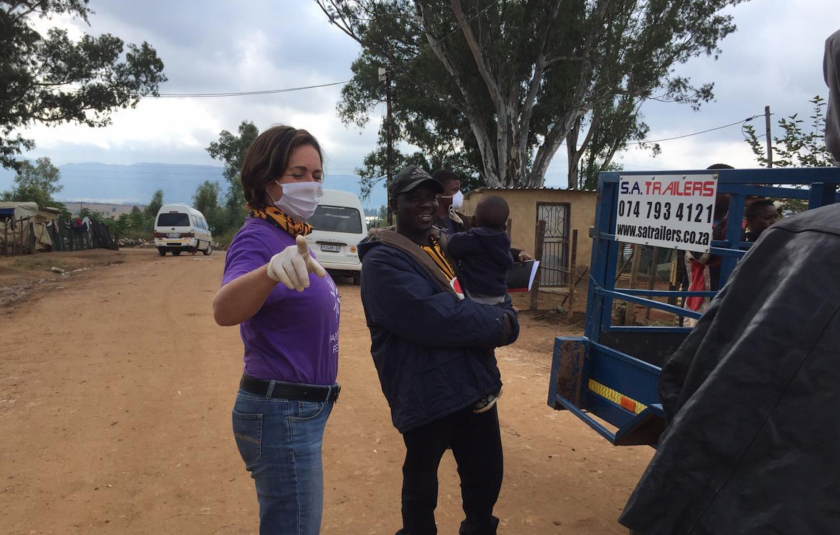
(554, 264)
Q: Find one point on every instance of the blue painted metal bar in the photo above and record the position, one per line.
(758, 190)
(650, 303)
(649, 368)
(626, 378)
(656, 409)
(728, 253)
(733, 235)
(634, 432)
(822, 194)
(591, 422)
(608, 411)
(648, 329)
(716, 243)
(724, 243)
(603, 265)
(556, 363)
(666, 293)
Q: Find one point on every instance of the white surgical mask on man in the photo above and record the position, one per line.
(299, 199)
(457, 199)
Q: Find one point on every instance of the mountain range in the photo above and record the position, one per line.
(136, 183)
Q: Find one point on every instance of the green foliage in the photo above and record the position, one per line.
(206, 201)
(232, 149)
(206, 197)
(64, 212)
(589, 169)
(797, 147)
(51, 79)
(493, 88)
(154, 204)
(610, 129)
(381, 217)
(35, 183)
(137, 219)
(375, 170)
(112, 224)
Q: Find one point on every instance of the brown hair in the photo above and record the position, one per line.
(268, 158)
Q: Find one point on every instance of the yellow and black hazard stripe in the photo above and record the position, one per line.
(616, 397)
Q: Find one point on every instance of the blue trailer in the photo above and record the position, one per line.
(608, 378)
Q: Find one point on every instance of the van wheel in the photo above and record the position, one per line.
(176, 252)
(162, 251)
(208, 250)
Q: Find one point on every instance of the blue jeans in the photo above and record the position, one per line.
(280, 441)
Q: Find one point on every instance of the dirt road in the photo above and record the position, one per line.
(115, 395)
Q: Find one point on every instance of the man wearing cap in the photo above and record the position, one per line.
(430, 351)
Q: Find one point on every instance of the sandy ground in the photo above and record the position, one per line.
(116, 388)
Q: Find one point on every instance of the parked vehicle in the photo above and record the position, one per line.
(608, 378)
(339, 225)
(179, 228)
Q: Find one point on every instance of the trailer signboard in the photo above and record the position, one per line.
(672, 211)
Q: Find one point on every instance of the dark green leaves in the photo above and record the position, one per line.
(52, 79)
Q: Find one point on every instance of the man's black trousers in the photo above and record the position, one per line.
(477, 446)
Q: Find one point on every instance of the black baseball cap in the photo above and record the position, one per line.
(410, 178)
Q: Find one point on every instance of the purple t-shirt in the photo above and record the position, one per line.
(294, 336)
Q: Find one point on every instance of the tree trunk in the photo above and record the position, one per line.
(573, 156)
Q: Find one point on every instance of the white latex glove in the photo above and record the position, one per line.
(292, 266)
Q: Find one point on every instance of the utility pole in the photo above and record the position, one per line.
(385, 75)
(769, 139)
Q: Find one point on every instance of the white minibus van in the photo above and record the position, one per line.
(179, 227)
(339, 223)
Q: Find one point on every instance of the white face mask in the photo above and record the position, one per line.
(458, 200)
(299, 199)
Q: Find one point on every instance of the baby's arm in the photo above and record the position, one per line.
(461, 244)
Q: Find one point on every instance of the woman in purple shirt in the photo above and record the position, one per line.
(290, 331)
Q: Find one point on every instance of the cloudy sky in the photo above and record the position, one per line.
(775, 59)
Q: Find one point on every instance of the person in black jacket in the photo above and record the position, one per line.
(751, 398)
(430, 349)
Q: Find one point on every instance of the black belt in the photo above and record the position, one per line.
(281, 390)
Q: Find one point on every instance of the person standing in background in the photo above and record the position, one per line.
(831, 71)
(448, 219)
(759, 215)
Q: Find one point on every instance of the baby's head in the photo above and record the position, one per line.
(492, 212)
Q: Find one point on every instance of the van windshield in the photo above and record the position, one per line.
(336, 219)
(173, 220)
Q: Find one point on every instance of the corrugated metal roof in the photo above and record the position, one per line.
(529, 188)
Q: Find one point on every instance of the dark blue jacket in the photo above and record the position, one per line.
(484, 258)
(430, 349)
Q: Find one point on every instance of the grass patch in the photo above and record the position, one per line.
(225, 238)
(137, 235)
(38, 263)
